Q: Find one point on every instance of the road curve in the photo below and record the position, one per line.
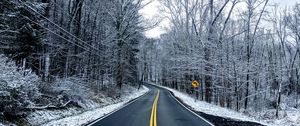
(168, 112)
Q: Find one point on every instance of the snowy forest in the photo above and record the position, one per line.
(71, 54)
(244, 53)
(57, 53)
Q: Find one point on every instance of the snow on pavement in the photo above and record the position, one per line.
(89, 116)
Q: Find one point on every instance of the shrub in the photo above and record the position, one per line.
(18, 89)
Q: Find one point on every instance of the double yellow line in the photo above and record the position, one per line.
(153, 113)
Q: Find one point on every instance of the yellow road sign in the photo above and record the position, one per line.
(195, 84)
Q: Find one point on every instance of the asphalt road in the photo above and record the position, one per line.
(157, 108)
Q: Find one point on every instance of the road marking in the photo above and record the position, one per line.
(156, 109)
(126, 104)
(153, 121)
(182, 104)
(151, 118)
(191, 110)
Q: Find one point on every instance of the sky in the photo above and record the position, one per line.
(149, 12)
(152, 10)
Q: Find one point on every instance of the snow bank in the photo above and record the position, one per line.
(5, 123)
(292, 118)
(41, 116)
(91, 115)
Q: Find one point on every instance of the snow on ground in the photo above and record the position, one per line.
(89, 116)
(2, 124)
(42, 116)
(292, 118)
(5, 123)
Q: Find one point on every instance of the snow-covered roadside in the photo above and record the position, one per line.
(6, 124)
(292, 119)
(89, 116)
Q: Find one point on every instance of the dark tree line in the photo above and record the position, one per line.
(85, 46)
(86, 38)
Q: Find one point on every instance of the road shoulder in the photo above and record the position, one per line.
(88, 117)
(212, 113)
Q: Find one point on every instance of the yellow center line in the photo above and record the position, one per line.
(153, 113)
(156, 109)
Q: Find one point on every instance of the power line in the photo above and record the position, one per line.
(55, 33)
(59, 35)
(59, 27)
(53, 23)
(67, 14)
(62, 10)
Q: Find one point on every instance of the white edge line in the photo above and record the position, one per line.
(184, 105)
(126, 104)
(191, 110)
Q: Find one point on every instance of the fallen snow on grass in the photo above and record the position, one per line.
(6, 123)
(2, 124)
(89, 116)
(292, 117)
(41, 116)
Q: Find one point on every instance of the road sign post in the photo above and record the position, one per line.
(195, 85)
